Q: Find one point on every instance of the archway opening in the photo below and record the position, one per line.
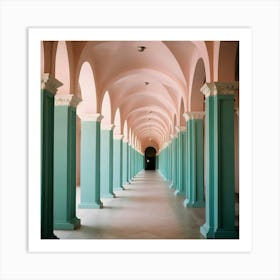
(150, 158)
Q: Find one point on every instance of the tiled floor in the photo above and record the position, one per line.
(146, 209)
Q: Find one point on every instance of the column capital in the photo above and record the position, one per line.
(173, 136)
(50, 83)
(67, 100)
(118, 136)
(193, 115)
(217, 88)
(107, 126)
(125, 140)
(180, 128)
(91, 117)
(165, 145)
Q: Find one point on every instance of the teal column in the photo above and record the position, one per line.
(187, 164)
(156, 163)
(220, 193)
(129, 167)
(117, 160)
(65, 162)
(106, 162)
(127, 162)
(172, 156)
(180, 188)
(49, 87)
(124, 163)
(184, 161)
(177, 160)
(90, 162)
(134, 162)
(174, 162)
(170, 161)
(195, 160)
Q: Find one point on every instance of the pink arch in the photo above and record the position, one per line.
(42, 58)
(125, 130)
(203, 54)
(62, 71)
(88, 92)
(106, 111)
(196, 100)
(117, 122)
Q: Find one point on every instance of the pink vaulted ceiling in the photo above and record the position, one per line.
(147, 87)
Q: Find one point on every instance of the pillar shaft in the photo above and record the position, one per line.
(124, 163)
(106, 163)
(170, 162)
(195, 161)
(174, 162)
(48, 90)
(180, 173)
(220, 194)
(65, 164)
(129, 160)
(117, 159)
(90, 163)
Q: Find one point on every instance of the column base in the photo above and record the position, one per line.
(226, 234)
(207, 231)
(120, 188)
(51, 236)
(197, 204)
(178, 193)
(108, 195)
(171, 186)
(93, 205)
(186, 202)
(73, 224)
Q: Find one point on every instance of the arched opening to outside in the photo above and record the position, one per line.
(150, 158)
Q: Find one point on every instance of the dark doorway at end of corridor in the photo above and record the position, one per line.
(150, 158)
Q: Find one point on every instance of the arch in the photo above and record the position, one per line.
(227, 61)
(199, 78)
(125, 130)
(150, 158)
(49, 56)
(106, 111)
(174, 132)
(182, 110)
(88, 91)
(203, 54)
(148, 74)
(129, 135)
(237, 64)
(117, 122)
(62, 71)
(42, 58)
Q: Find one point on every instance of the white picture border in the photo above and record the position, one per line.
(262, 17)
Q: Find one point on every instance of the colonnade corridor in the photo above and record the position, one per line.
(146, 209)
